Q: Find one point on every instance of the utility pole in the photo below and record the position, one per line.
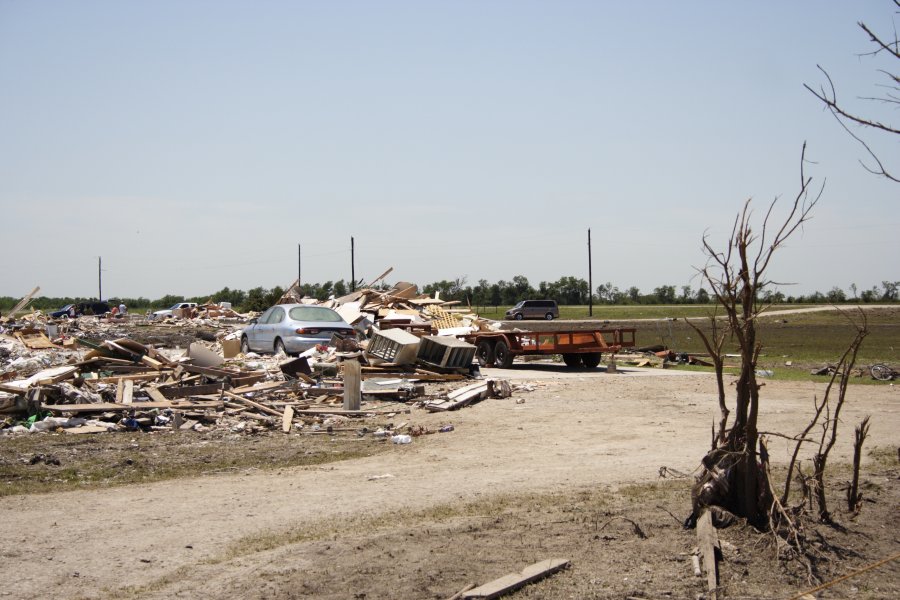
(590, 279)
(100, 278)
(299, 268)
(352, 265)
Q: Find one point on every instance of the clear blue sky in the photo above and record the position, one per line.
(194, 144)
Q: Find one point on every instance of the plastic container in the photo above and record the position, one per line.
(402, 439)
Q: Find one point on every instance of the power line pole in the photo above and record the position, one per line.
(590, 279)
(352, 265)
(100, 278)
(299, 267)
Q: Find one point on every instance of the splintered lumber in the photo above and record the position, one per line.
(286, 419)
(514, 581)
(708, 540)
(256, 405)
(129, 392)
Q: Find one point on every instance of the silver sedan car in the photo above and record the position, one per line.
(293, 328)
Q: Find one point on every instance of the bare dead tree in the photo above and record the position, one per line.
(830, 426)
(827, 94)
(841, 376)
(734, 478)
(714, 342)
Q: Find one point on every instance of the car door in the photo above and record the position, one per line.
(255, 333)
(268, 329)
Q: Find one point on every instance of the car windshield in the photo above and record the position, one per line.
(520, 304)
(176, 305)
(314, 313)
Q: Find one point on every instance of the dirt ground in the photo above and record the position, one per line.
(568, 470)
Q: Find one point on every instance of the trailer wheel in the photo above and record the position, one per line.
(485, 353)
(573, 361)
(591, 359)
(503, 358)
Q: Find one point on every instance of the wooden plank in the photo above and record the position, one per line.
(21, 304)
(312, 412)
(120, 390)
(514, 581)
(287, 418)
(86, 429)
(255, 405)
(260, 387)
(155, 394)
(129, 392)
(208, 371)
(135, 377)
(96, 407)
(183, 391)
(708, 540)
(352, 381)
(151, 362)
(35, 341)
(61, 376)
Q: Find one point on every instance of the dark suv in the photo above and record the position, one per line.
(82, 308)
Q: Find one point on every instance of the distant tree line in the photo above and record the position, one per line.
(572, 291)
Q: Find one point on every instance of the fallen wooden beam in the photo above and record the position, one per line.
(97, 407)
(256, 405)
(514, 581)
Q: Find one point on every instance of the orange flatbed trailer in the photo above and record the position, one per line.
(577, 347)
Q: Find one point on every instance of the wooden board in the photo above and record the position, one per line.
(97, 407)
(155, 394)
(35, 341)
(87, 429)
(514, 581)
(287, 418)
(182, 391)
(256, 405)
(708, 540)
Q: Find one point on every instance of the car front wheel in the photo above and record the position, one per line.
(245, 345)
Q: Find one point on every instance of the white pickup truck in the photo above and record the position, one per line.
(162, 314)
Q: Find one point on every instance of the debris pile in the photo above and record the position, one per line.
(90, 374)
